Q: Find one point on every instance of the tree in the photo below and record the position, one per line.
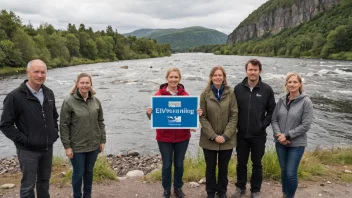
(13, 56)
(25, 44)
(72, 44)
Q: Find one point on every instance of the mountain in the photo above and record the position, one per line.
(293, 28)
(276, 15)
(182, 39)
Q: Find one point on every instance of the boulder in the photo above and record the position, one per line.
(135, 173)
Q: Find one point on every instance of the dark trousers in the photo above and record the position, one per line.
(172, 152)
(289, 158)
(212, 158)
(82, 165)
(255, 147)
(36, 172)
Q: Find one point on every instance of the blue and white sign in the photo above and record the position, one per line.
(175, 112)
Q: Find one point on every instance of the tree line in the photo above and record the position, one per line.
(328, 36)
(20, 43)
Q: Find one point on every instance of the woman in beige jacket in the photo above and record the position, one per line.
(218, 132)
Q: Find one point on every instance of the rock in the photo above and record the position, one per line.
(135, 173)
(124, 67)
(202, 181)
(63, 174)
(132, 153)
(193, 184)
(329, 182)
(7, 186)
(348, 171)
(118, 156)
(322, 184)
(121, 178)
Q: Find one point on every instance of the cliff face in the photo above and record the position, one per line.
(281, 18)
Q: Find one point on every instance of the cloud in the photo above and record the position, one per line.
(127, 16)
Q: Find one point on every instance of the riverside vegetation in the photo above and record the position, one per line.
(20, 43)
(318, 165)
(328, 35)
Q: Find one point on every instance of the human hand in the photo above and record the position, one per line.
(220, 139)
(193, 130)
(281, 138)
(69, 153)
(101, 148)
(199, 111)
(149, 110)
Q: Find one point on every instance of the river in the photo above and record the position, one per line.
(126, 93)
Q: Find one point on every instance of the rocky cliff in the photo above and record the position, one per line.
(280, 18)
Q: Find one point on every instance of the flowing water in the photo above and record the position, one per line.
(126, 93)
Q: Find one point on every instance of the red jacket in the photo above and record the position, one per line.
(172, 135)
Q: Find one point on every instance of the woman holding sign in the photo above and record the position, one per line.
(172, 143)
(218, 132)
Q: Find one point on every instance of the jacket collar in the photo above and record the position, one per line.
(245, 82)
(78, 96)
(23, 87)
(225, 92)
(163, 91)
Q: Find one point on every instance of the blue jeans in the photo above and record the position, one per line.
(289, 159)
(172, 152)
(83, 164)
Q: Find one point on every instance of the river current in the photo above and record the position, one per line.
(126, 93)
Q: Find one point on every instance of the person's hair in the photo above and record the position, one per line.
(29, 64)
(81, 75)
(289, 75)
(255, 62)
(173, 69)
(212, 72)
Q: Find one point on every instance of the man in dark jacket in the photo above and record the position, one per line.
(256, 104)
(29, 119)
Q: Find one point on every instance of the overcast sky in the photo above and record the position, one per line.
(130, 15)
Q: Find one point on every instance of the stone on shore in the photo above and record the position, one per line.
(7, 186)
(124, 67)
(193, 184)
(135, 173)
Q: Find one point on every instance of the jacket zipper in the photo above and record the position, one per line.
(249, 106)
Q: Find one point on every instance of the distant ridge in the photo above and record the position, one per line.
(182, 39)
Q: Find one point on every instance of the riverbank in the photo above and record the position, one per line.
(8, 71)
(334, 165)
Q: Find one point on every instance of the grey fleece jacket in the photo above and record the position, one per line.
(294, 122)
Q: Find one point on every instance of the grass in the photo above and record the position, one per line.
(4, 71)
(102, 171)
(315, 166)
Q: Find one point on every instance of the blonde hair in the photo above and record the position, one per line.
(81, 75)
(212, 72)
(173, 69)
(289, 75)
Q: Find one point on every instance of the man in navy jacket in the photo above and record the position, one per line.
(256, 103)
(29, 119)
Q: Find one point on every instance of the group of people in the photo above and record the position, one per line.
(30, 119)
(238, 118)
(229, 118)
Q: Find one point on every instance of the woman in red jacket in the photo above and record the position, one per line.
(172, 143)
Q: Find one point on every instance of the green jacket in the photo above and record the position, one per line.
(82, 124)
(218, 118)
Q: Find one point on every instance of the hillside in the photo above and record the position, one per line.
(326, 34)
(182, 39)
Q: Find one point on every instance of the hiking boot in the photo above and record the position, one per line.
(256, 195)
(211, 195)
(222, 195)
(178, 193)
(238, 193)
(166, 194)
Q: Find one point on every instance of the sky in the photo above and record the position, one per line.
(129, 15)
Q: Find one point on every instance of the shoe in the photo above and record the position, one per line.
(166, 194)
(179, 193)
(211, 196)
(222, 196)
(87, 196)
(237, 193)
(256, 195)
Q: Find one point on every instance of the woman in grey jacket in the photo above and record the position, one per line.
(291, 121)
